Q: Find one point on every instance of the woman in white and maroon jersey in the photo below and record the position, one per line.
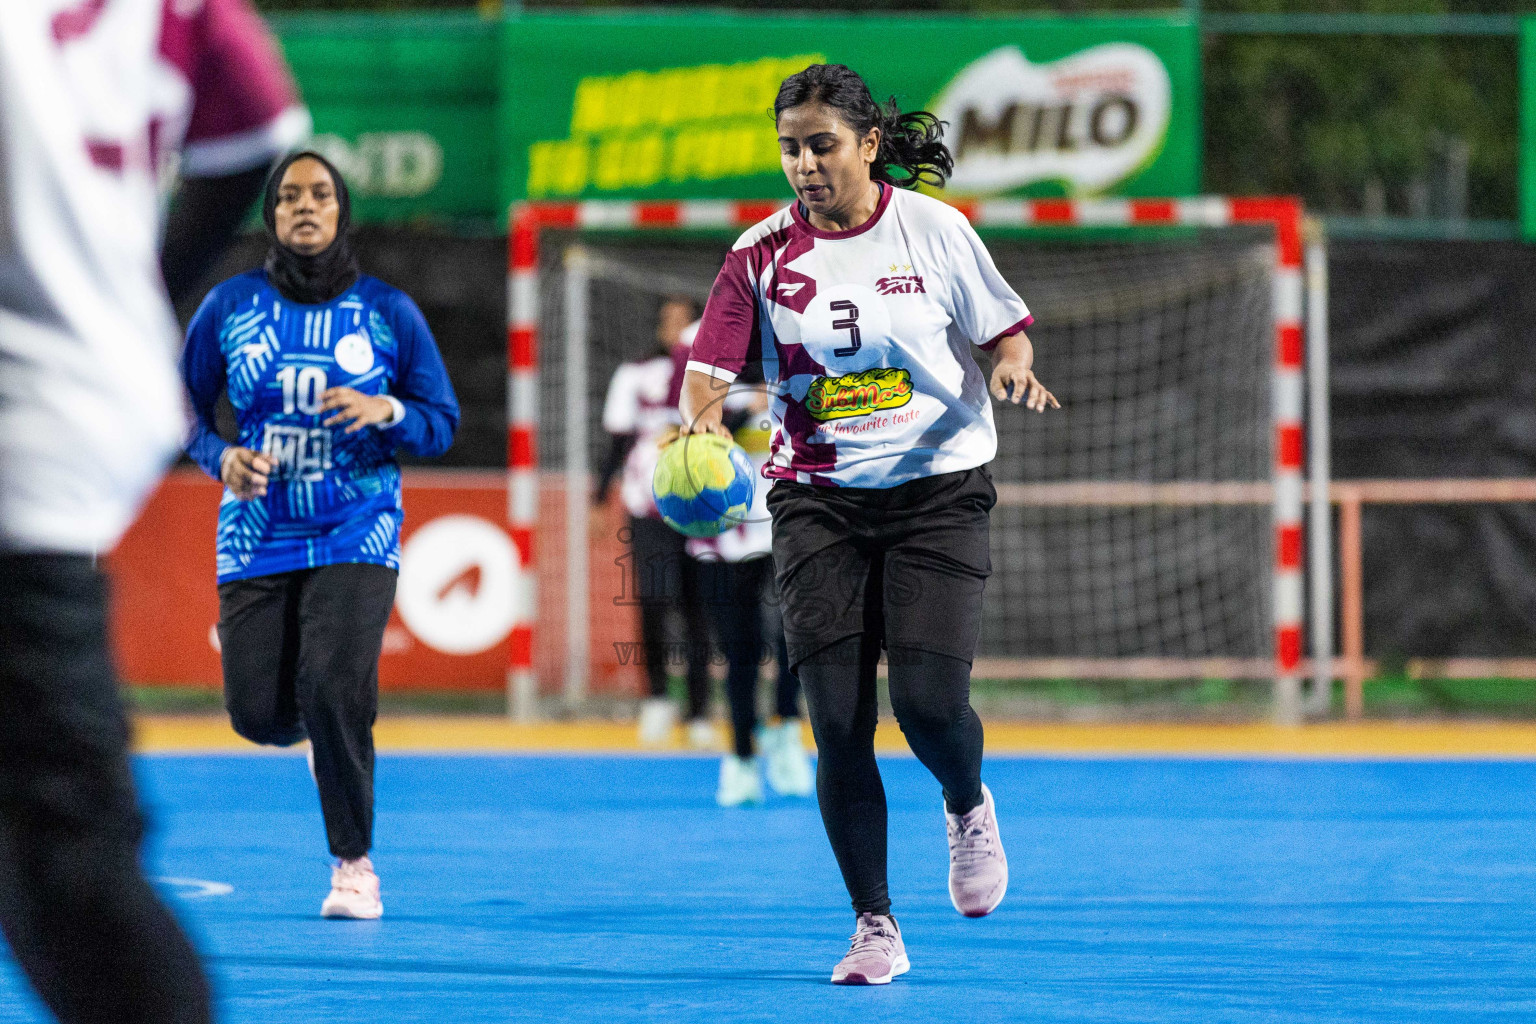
(863, 301)
(95, 99)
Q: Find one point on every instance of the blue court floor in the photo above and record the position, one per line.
(611, 889)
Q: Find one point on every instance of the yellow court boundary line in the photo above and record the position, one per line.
(1370, 740)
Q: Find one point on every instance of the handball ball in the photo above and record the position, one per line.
(703, 485)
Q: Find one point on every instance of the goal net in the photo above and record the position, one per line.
(1147, 531)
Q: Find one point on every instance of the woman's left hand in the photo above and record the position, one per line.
(1013, 380)
(1016, 384)
(362, 410)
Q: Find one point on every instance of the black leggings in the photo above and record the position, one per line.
(81, 918)
(930, 694)
(733, 597)
(301, 658)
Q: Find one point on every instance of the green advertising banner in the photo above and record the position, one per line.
(1528, 129)
(677, 105)
(406, 107)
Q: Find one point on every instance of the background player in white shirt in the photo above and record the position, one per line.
(641, 407)
(863, 302)
(735, 573)
(96, 99)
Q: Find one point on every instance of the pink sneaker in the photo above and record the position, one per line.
(876, 955)
(354, 891)
(978, 869)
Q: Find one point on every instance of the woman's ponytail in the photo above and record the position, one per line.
(912, 149)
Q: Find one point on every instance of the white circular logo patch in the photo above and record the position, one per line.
(354, 354)
(847, 329)
(457, 588)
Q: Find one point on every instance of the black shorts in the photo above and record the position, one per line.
(905, 565)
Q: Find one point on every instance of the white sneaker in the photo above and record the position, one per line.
(702, 735)
(658, 717)
(876, 954)
(789, 766)
(354, 891)
(978, 868)
(740, 782)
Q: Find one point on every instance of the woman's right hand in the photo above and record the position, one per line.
(245, 472)
(703, 426)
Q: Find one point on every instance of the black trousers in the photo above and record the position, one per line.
(81, 918)
(301, 658)
(733, 599)
(666, 578)
(904, 568)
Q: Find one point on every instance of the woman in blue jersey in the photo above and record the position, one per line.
(329, 372)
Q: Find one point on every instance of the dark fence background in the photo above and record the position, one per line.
(1434, 375)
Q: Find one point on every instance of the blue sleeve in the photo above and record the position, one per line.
(421, 385)
(203, 373)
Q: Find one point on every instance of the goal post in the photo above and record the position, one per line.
(1154, 504)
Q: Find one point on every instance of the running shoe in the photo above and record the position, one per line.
(702, 735)
(876, 954)
(789, 766)
(978, 869)
(354, 891)
(658, 717)
(740, 782)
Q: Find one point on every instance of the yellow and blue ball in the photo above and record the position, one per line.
(703, 485)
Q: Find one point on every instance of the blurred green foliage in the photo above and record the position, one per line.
(1365, 125)
(1399, 126)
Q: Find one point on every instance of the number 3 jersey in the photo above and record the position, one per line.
(866, 333)
(333, 496)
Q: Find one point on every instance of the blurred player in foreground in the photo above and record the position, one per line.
(865, 299)
(329, 372)
(735, 570)
(640, 409)
(95, 98)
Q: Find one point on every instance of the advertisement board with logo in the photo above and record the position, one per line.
(1528, 128)
(677, 105)
(406, 108)
(457, 605)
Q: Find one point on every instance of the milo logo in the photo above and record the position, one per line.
(858, 394)
(1088, 121)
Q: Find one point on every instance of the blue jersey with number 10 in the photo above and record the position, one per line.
(333, 497)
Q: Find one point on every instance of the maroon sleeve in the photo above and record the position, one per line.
(241, 86)
(1021, 326)
(680, 356)
(729, 332)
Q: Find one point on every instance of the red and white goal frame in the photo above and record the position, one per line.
(1299, 292)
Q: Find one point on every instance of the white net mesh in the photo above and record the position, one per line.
(1160, 352)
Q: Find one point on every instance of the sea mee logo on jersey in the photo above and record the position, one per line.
(858, 394)
(1089, 121)
(702, 123)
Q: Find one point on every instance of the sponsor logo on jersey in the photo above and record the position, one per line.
(354, 354)
(901, 284)
(297, 453)
(858, 394)
(790, 288)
